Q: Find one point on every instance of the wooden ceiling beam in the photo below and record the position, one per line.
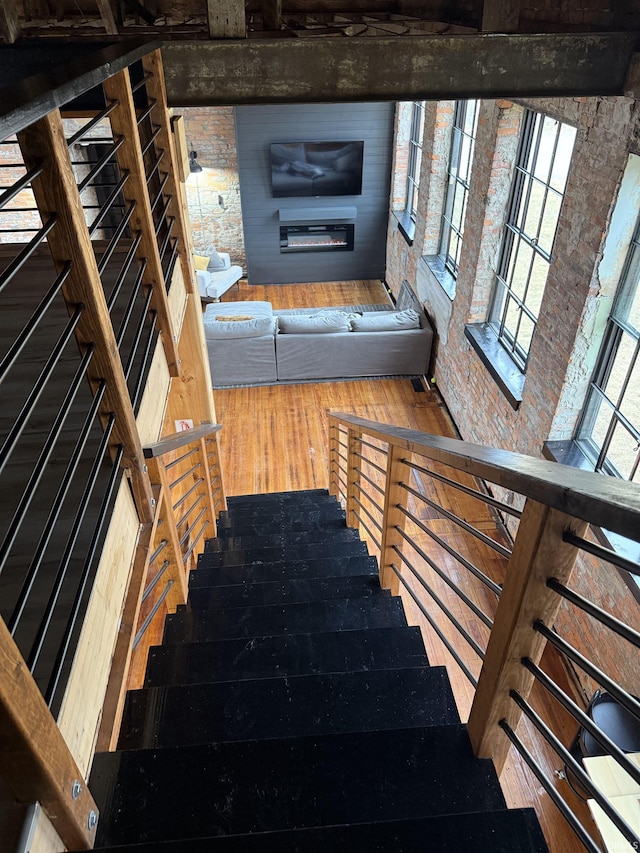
(259, 71)
(226, 19)
(500, 16)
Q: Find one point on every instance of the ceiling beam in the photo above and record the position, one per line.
(500, 16)
(266, 71)
(226, 19)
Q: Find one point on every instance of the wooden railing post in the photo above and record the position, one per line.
(538, 554)
(392, 518)
(217, 481)
(35, 761)
(334, 458)
(130, 159)
(353, 477)
(56, 193)
(152, 65)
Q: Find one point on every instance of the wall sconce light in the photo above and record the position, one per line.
(194, 166)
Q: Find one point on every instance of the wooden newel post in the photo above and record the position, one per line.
(538, 554)
(353, 477)
(393, 518)
(56, 194)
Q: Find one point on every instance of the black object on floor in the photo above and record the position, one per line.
(291, 708)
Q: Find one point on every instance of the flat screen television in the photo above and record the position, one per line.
(316, 168)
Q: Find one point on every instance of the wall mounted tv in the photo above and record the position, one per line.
(316, 168)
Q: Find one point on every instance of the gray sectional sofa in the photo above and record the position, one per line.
(250, 345)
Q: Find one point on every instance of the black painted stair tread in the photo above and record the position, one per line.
(282, 571)
(246, 556)
(256, 786)
(279, 516)
(338, 615)
(287, 707)
(285, 654)
(292, 591)
(301, 496)
(514, 831)
(287, 528)
(282, 539)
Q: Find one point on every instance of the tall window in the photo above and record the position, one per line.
(609, 432)
(463, 139)
(415, 157)
(542, 166)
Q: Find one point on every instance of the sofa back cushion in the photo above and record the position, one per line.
(225, 327)
(313, 324)
(385, 321)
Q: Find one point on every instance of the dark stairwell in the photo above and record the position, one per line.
(291, 708)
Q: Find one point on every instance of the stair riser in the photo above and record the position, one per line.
(285, 619)
(258, 786)
(293, 552)
(282, 540)
(284, 571)
(237, 517)
(289, 592)
(285, 655)
(287, 528)
(287, 707)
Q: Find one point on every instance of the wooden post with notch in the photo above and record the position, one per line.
(538, 554)
(392, 519)
(56, 194)
(130, 159)
(35, 761)
(218, 494)
(152, 65)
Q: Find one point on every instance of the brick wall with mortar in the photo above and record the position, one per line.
(557, 376)
(211, 132)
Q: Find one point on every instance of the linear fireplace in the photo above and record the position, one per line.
(316, 238)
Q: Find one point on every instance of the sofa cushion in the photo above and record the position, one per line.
(216, 329)
(253, 309)
(314, 324)
(218, 261)
(201, 262)
(385, 321)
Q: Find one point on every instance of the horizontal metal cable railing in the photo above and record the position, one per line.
(435, 511)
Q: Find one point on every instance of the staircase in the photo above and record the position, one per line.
(291, 708)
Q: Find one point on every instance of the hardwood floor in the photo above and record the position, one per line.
(276, 438)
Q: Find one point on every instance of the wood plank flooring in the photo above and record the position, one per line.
(276, 438)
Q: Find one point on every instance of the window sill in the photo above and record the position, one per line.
(569, 453)
(406, 225)
(443, 276)
(507, 376)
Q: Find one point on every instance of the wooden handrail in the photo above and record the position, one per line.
(558, 499)
(179, 439)
(35, 761)
(603, 501)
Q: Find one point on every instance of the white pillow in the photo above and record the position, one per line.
(254, 328)
(385, 321)
(217, 262)
(313, 324)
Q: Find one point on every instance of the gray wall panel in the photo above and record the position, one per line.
(256, 128)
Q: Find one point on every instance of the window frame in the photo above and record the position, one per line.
(456, 183)
(414, 161)
(515, 236)
(617, 327)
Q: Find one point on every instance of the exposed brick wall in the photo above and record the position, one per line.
(211, 132)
